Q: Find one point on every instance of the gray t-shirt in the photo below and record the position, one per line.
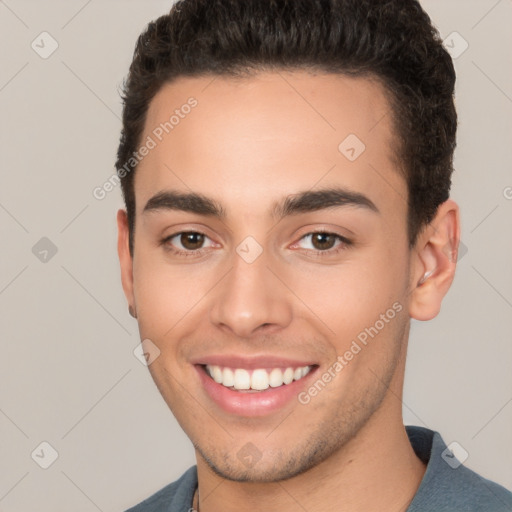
(447, 486)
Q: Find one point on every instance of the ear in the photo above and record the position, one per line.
(125, 258)
(433, 262)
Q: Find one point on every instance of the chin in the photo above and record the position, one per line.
(271, 468)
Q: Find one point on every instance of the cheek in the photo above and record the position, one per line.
(164, 294)
(349, 296)
(360, 306)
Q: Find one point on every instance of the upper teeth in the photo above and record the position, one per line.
(259, 379)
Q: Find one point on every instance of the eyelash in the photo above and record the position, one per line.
(179, 252)
(317, 253)
(345, 244)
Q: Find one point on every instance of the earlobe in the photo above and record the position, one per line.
(125, 260)
(434, 262)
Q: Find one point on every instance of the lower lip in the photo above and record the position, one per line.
(251, 404)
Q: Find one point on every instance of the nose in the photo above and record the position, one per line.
(250, 299)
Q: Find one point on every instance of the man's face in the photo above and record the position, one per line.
(258, 290)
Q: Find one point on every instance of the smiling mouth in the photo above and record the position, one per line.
(257, 380)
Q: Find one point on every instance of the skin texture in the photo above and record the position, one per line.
(247, 144)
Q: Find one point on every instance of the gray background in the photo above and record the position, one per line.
(68, 373)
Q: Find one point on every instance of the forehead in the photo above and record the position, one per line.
(268, 135)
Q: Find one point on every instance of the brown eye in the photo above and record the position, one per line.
(191, 240)
(323, 241)
(188, 244)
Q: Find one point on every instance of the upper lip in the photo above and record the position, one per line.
(250, 362)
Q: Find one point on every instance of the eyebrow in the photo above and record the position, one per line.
(302, 202)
